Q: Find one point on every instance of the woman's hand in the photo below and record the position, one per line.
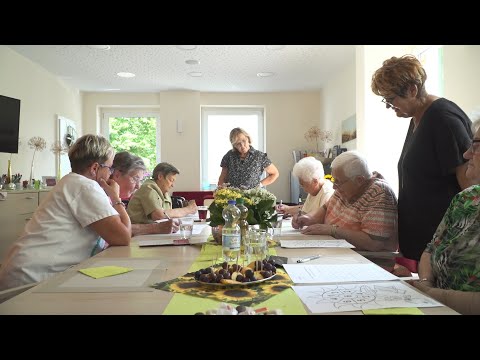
(317, 229)
(299, 221)
(112, 189)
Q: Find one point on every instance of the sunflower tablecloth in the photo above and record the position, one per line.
(193, 297)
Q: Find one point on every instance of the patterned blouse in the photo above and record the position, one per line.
(455, 247)
(245, 173)
(374, 212)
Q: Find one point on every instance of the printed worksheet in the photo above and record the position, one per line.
(315, 242)
(354, 297)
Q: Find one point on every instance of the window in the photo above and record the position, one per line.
(135, 132)
(217, 122)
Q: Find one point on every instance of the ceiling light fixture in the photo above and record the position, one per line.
(275, 47)
(186, 47)
(195, 74)
(111, 89)
(126, 74)
(265, 74)
(100, 47)
(192, 62)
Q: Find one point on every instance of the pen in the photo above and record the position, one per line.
(308, 258)
(166, 215)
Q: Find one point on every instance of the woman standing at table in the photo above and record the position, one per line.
(80, 214)
(243, 166)
(431, 169)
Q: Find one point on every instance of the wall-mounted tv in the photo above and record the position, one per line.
(9, 124)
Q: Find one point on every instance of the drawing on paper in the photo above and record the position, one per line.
(352, 297)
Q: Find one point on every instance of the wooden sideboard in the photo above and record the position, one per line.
(15, 211)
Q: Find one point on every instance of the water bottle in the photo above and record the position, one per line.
(231, 234)
(243, 223)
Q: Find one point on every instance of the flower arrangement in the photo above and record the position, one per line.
(36, 143)
(259, 201)
(315, 134)
(329, 177)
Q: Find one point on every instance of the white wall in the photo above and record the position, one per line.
(287, 116)
(43, 96)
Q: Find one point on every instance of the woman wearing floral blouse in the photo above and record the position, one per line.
(449, 268)
(243, 166)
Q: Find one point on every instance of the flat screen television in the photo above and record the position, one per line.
(9, 124)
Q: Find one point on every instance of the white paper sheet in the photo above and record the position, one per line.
(335, 273)
(361, 296)
(315, 242)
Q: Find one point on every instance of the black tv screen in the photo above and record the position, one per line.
(9, 124)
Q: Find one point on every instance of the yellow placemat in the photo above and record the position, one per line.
(104, 271)
(394, 311)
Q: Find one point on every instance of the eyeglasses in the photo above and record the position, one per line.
(110, 168)
(340, 183)
(388, 102)
(134, 179)
(241, 142)
(475, 146)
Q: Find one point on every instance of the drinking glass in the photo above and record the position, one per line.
(186, 227)
(256, 245)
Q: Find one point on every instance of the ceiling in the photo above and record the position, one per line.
(224, 68)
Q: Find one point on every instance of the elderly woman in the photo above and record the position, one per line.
(153, 202)
(243, 166)
(311, 178)
(449, 267)
(431, 169)
(362, 210)
(80, 214)
(128, 173)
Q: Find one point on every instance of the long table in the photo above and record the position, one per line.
(176, 260)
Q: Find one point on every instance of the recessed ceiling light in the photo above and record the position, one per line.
(195, 74)
(275, 47)
(100, 47)
(265, 74)
(186, 47)
(192, 62)
(111, 89)
(126, 74)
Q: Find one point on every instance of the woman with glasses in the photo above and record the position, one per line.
(431, 169)
(243, 166)
(449, 267)
(79, 216)
(128, 172)
(362, 210)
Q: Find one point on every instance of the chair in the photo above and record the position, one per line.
(10, 293)
(178, 201)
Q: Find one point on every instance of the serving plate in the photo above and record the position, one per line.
(237, 284)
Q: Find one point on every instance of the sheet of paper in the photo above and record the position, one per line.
(168, 239)
(199, 228)
(335, 273)
(353, 297)
(104, 271)
(316, 242)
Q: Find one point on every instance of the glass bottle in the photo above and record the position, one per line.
(9, 172)
(231, 235)
(243, 223)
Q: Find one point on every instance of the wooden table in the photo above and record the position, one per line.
(178, 260)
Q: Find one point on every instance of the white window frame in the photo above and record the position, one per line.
(105, 128)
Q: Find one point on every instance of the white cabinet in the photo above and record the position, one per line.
(15, 211)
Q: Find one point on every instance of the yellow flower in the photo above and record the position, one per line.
(329, 177)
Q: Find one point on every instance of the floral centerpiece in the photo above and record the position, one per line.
(259, 201)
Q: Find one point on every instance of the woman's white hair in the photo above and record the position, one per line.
(353, 164)
(308, 169)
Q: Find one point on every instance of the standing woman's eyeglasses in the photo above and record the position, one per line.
(475, 146)
(388, 102)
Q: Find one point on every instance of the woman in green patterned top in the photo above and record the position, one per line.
(449, 268)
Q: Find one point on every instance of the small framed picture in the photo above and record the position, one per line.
(50, 181)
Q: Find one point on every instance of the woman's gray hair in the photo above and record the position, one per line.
(87, 150)
(234, 134)
(309, 169)
(353, 164)
(126, 162)
(164, 169)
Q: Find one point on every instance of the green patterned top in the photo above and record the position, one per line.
(455, 247)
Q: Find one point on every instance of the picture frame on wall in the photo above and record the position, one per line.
(49, 181)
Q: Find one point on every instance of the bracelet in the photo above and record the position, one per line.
(119, 203)
(333, 230)
(425, 279)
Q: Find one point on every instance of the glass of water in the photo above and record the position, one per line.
(256, 245)
(186, 227)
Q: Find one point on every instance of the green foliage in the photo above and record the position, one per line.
(136, 135)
